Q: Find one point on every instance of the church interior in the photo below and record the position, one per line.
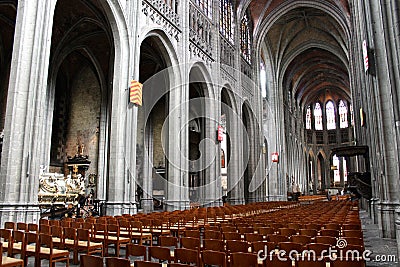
(199, 133)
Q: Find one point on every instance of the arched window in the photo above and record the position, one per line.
(308, 118)
(343, 115)
(245, 38)
(226, 19)
(330, 116)
(318, 117)
(205, 6)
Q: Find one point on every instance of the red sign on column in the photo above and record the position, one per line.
(220, 133)
(275, 157)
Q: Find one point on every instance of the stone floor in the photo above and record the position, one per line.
(380, 247)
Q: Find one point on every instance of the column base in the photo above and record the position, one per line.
(387, 225)
(171, 205)
(13, 212)
(119, 208)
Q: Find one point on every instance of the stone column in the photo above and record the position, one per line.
(23, 152)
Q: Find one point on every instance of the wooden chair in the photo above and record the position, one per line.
(333, 226)
(18, 239)
(146, 264)
(277, 238)
(138, 234)
(114, 238)
(287, 231)
(6, 236)
(317, 248)
(350, 226)
(266, 231)
(29, 245)
(240, 259)
(160, 253)
(192, 233)
(168, 241)
(45, 250)
(237, 246)
(69, 238)
(117, 262)
(136, 250)
(352, 233)
(329, 232)
(10, 225)
(296, 226)
(44, 229)
(210, 257)
(291, 246)
(208, 234)
(302, 239)
(57, 234)
(326, 240)
(22, 226)
(33, 227)
(214, 244)
(91, 261)
(354, 241)
(185, 255)
(190, 243)
(252, 237)
(310, 232)
(85, 245)
(232, 236)
(6, 261)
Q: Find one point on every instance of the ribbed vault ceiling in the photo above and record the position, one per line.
(307, 45)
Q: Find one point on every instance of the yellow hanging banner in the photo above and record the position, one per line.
(135, 92)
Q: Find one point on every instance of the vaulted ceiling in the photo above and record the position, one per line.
(306, 43)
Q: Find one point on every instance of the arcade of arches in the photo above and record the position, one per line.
(226, 85)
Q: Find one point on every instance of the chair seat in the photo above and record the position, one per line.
(83, 243)
(56, 252)
(8, 261)
(121, 239)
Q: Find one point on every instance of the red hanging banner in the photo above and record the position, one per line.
(275, 157)
(220, 133)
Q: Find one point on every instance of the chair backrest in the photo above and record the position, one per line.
(146, 264)
(240, 259)
(136, 250)
(302, 239)
(91, 261)
(209, 234)
(214, 244)
(22, 226)
(10, 225)
(232, 236)
(237, 246)
(277, 238)
(210, 257)
(168, 241)
(192, 233)
(6, 235)
(252, 237)
(83, 235)
(190, 242)
(69, 233)
(33, 227)
(160, 253)
(326, 240)
(185, 255)
(117, 262)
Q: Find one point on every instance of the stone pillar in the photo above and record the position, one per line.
(23, 150)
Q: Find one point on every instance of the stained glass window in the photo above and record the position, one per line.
(330, 116)
(205, 6)
(318, 117)
(343, 114)
(226, 26)
(308, 118)
(245, 38)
